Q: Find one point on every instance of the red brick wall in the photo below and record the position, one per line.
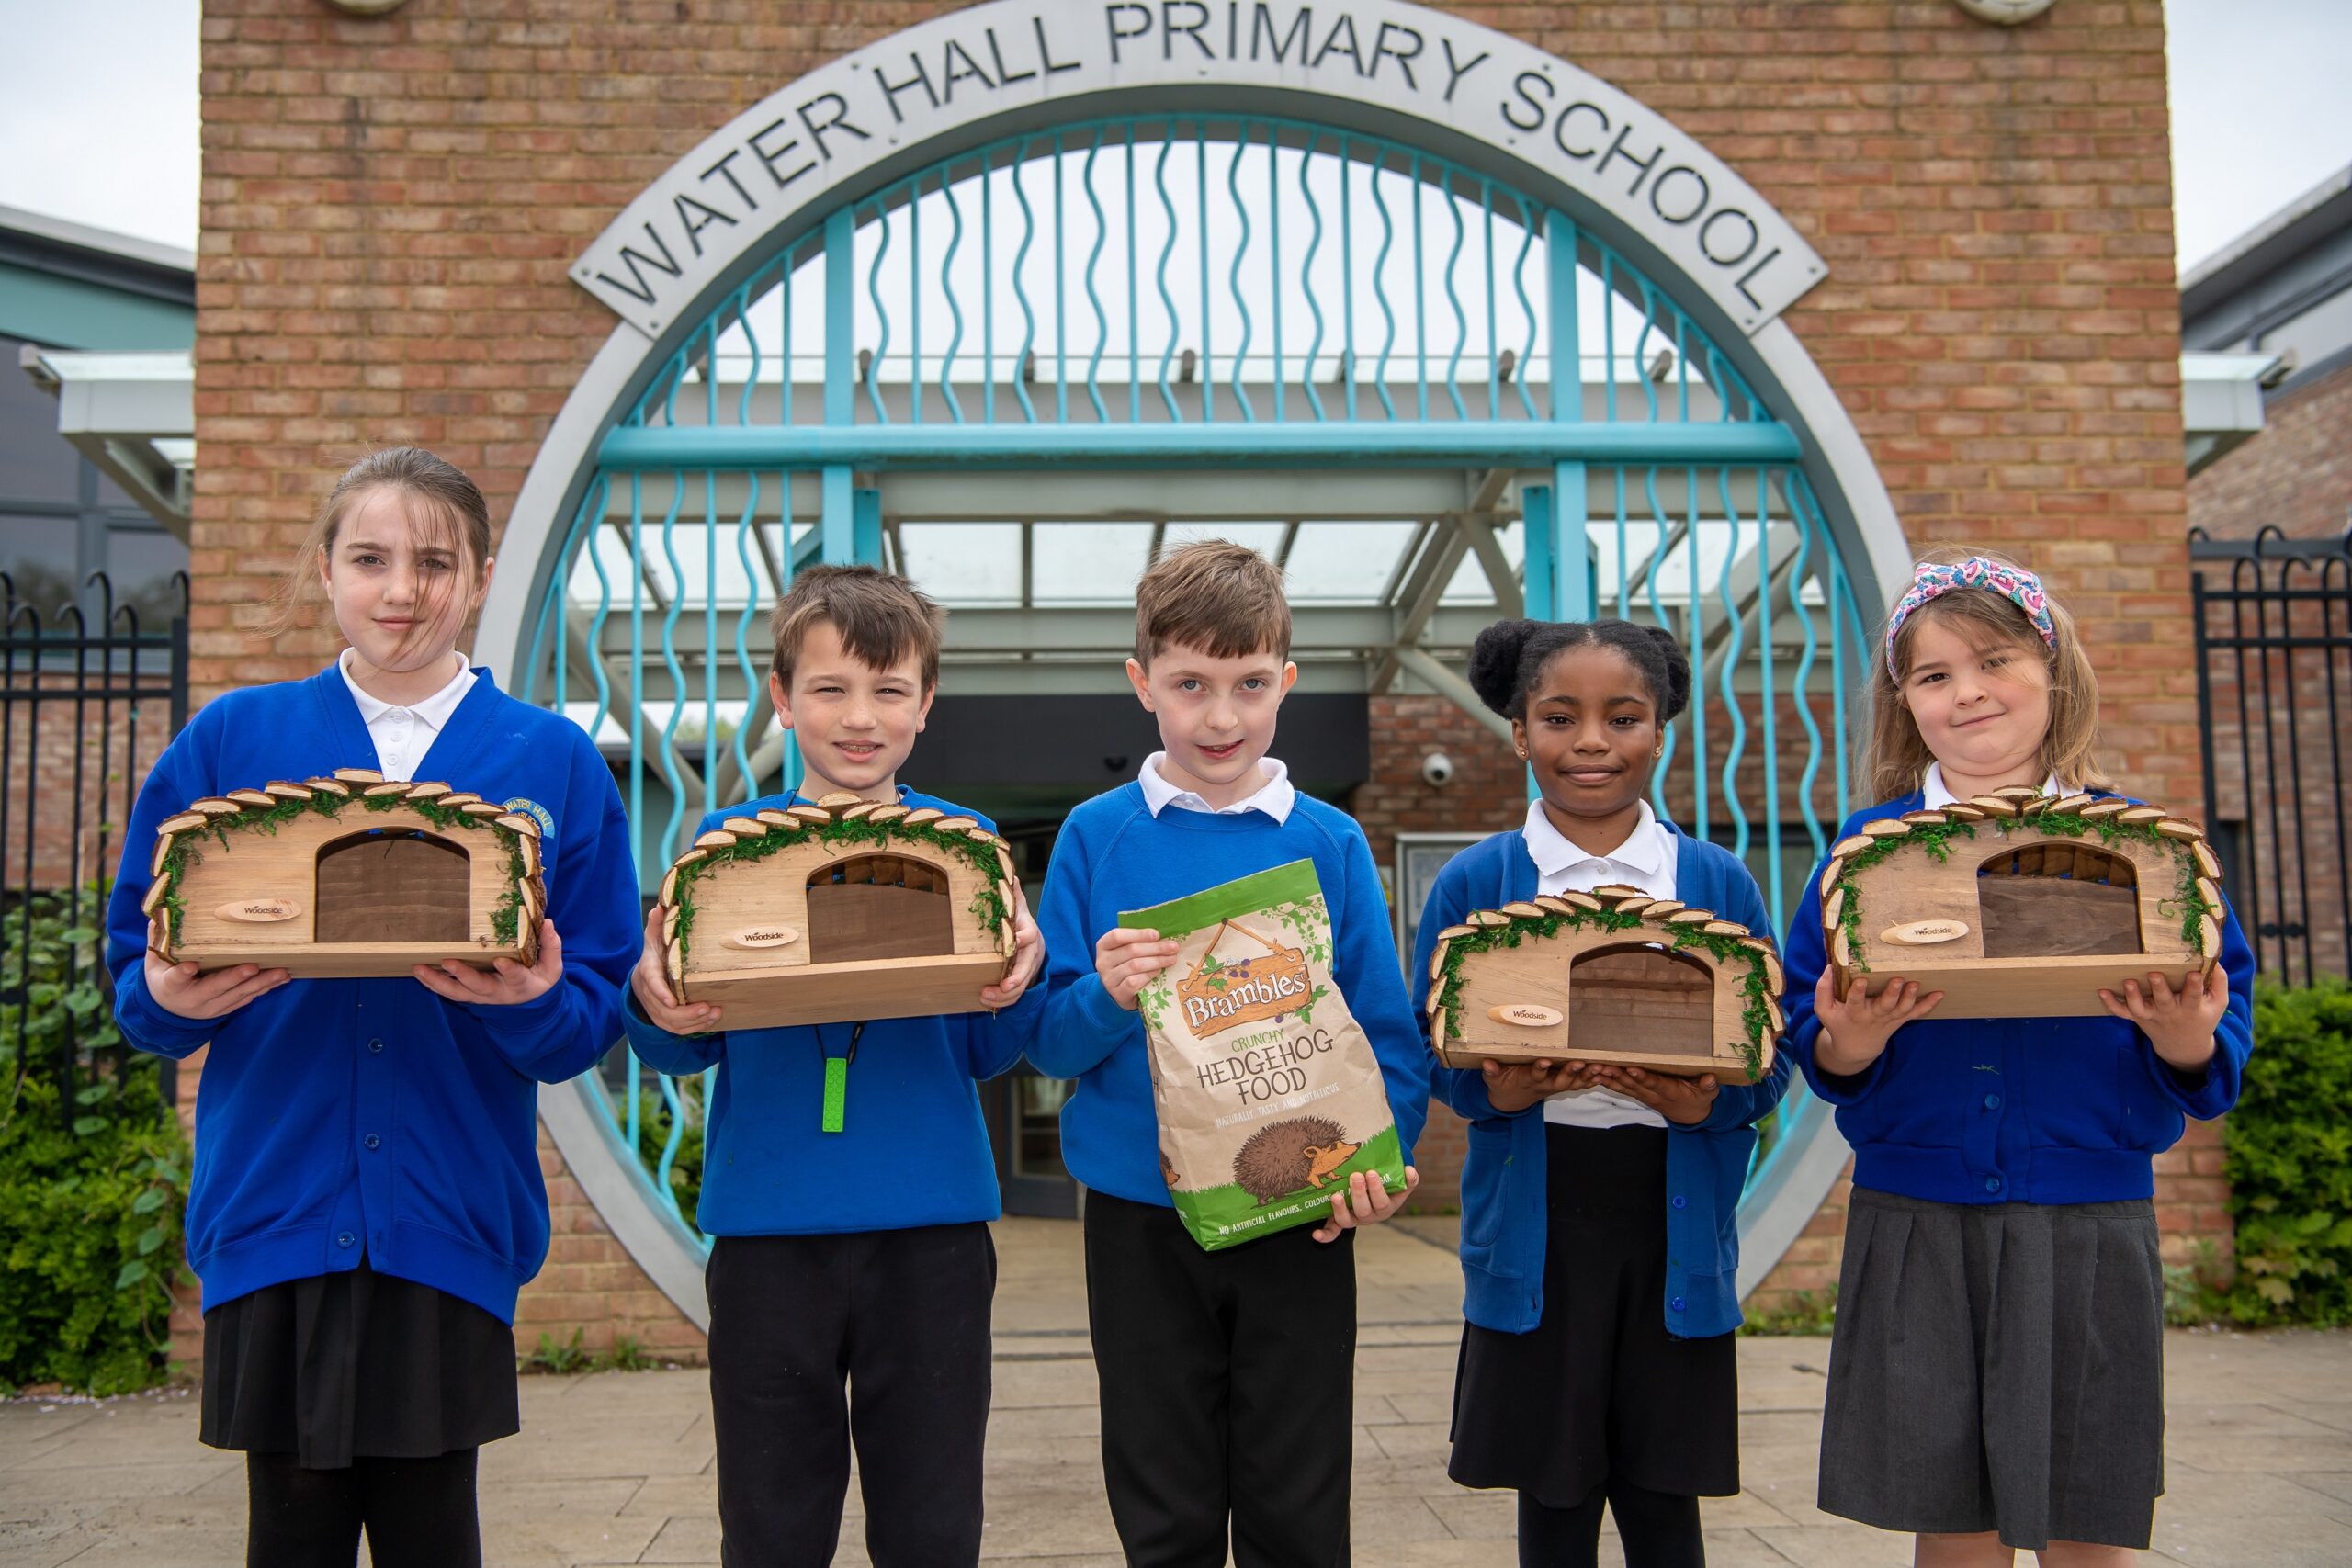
(389, 207)
(89, 754)
(2296, 475)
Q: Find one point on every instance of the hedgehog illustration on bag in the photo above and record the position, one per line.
(1268, 1095)
(1283, 1156)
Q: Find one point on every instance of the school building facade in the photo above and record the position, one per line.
(1705, 313)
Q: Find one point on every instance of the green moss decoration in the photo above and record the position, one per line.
(1755, 989)
(1936, 838)
(505, 919)
(988, 906)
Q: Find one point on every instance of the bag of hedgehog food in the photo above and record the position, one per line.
(1268, 1092)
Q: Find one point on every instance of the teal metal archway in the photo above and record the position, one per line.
(1436, 397)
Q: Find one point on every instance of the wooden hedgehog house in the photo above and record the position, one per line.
(2022, 904)
(1611, 975)
(353, 876)
(846, 910)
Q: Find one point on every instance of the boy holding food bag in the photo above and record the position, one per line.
(1250, 1079)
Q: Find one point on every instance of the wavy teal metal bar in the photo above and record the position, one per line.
(914, 307)
(1730, 662)
(1019, 290)
(1233, 279)
(1380, 288)
(1403, 443)
(1167, 300)
(873, 376)
(1527, 227)
(1093, 295)
(1454, 300)
(955, 307)
(1307, 278)
(1274, 262)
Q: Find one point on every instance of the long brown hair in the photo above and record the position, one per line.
(1894, 757)
(446, 504)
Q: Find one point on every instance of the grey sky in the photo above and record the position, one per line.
(99, 121)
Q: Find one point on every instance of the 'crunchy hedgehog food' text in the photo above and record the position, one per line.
(1268, 1094)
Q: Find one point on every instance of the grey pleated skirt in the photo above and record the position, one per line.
(1997, 1368)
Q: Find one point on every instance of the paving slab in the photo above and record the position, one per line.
(617, 1467)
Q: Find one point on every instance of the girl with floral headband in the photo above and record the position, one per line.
(1996, 1380)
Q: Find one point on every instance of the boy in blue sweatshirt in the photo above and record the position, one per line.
(861, 1255)
(1226, 1377)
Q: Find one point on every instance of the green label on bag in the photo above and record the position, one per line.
(1268, 1095)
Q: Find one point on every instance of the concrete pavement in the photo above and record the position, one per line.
(616, 1466)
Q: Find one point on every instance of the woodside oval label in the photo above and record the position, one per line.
(259, 911)
(1526, 1015)
(1925, 933)
(765, 936)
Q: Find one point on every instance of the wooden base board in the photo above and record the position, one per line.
(2030, 988)
(842, 993)
(1467, 1057)
(349, 961)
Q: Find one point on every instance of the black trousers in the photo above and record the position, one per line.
(1228, 1387)
(878, 1339)
(418, 1513)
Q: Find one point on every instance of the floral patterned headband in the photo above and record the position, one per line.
(1932, 580)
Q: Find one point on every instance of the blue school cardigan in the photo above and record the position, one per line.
(1504, 1199)
(343, 1118)
(2014, 1110)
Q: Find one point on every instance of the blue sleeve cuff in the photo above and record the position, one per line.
(677, 1054)
(150, 1027)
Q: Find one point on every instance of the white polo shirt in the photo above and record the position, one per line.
(402, 735)
(1275, 798)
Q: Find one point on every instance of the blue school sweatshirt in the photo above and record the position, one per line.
(913, 1149)
(2014, 1110)
(1504, 1199)
(1113, 855)
(343, 1118)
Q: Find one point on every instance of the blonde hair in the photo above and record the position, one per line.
(1894, 756)
(445, 506)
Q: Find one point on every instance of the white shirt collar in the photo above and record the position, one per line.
(1935, 797)
(399, 753)
(1275, 798)
(1644, 850)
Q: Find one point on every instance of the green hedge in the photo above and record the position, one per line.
(2290, 1161)
(90, 1193)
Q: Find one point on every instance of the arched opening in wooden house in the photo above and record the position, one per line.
(880, 906)
(392, 887)
(1643, 996)
(2052, 900)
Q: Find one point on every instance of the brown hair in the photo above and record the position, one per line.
(880, 618)
(1894, 757)
(446, 504)
(1222, 598)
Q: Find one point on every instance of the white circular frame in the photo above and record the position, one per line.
(1859, 513)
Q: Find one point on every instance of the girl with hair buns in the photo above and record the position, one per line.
(1597, 1243)
(367, 1201)
(1996, 1379)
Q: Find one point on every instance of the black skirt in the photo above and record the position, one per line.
(358, 1364)
(1598, 1388)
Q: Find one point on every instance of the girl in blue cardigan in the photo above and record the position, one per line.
(1996, 1379)
(1598, 1239)
(366, 1201)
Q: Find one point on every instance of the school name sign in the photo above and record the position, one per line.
(689, 229)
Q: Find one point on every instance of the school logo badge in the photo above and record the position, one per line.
(538, 813)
